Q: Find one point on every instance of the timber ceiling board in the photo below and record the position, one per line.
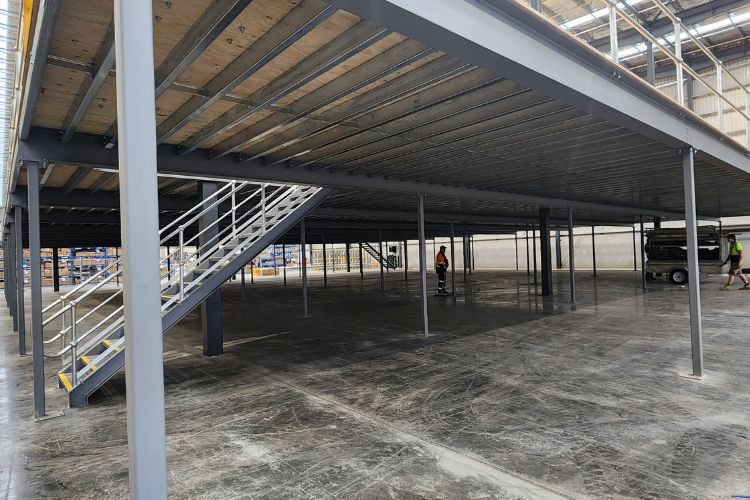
(82, 26)
(58, 92)
(172, 20)
(102, 111)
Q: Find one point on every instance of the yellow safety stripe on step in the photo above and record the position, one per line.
(166, 297)
(65, 381)
(87, 360)
(109, 343)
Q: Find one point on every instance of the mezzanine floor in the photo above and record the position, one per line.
(512, 396)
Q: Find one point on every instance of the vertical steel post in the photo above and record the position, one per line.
(464, 253)
(325, 263)
(348, 257)
(558, 250)
(536, 5)
(242, 279)
(55, 270)
(35, 270)
(528, 260)
(593, 248)
(571, 257)
(453, 263)
(546, 251)
(283, 259)
(635, 252)
(211, 320)
(21, 306)
(679, 81)
(515, 241)
(614, 48)
(11, 276)
(423, 264)
(382, 259)
(406, 261)
(690, 91)
(139, 214)
(650, 63)
(361, 262)
(303, 263)
(533, 248)
(473, 261)
(643, 257)
(720, 96)
(691, 224)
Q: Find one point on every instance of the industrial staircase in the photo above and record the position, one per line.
(92, 334)
(381, 260)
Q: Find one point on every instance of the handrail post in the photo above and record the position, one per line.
(182, 264)
(720, 96)
(62, 331)
(234, 206)
(263, 207)
(73, 346)
(678, 66)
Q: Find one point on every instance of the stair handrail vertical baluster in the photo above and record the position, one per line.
(73, 345)
(234, 205)
(182, 264)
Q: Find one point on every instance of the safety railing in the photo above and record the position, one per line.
(250, 216)
(673, 50)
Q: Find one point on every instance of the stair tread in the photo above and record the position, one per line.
(65, 381)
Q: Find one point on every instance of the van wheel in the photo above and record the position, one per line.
(678, 276)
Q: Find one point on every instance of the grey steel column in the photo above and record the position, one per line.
(325, 263)
(211, 321)
(303, 263)
(35, 263)
(283, 259)
(643, 257)
(533, 248)
(650, 64)
(139, 215)
(694, 291)
(361, 263)
(382, 259)
(242, 279)
(453, 263)
(571, 257)
(593, 248)
(55, 270)
(465, 258)
(558, 250)
(528, 260)
(20, 305)
(690, 95)
(635, 253)
(5, 268)
(515, 240)
(11, 276)
(423, 264)
(406, 261)
(544, 240)
(348, 258)
(471, 254)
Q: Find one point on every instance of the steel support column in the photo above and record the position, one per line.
(406, 260)
(139, 213)
(423, 264)
(453, 262)
(464, 254)
(593, 249)
(382, 259)
(528, 260)
(303, 263)
(10, 282)
(558, 250)
(361, 263)
(643, 256)
(635, 252)
(691, 224)
(325, 263)
(211, 321)
(544, 240)
(20, 305)
(283, 260)
(348, 258)
(650, 63)
(515, 242)
(35, 272)
(56, 270)
(533, 248)
(571, 257)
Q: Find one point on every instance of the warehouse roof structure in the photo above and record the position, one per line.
(480, 112)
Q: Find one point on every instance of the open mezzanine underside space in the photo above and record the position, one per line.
(512, 396)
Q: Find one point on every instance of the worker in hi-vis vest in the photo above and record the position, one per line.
(441, 267)
(736, 258)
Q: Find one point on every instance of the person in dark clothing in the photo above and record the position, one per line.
(441, 267)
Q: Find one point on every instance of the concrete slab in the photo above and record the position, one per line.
(513, 396)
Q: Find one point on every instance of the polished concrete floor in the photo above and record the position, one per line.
(512, 396)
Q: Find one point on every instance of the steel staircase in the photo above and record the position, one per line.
(91, 315)
(381, 260)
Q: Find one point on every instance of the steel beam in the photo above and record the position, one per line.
(139, 212)
(546, 247)
(49, 11)
(422, 264)
(300, 21)
(691, 224)
(75, 179)
(211, 320)
(19, 281)
(510, 40)
(35, 273)
(87, 150)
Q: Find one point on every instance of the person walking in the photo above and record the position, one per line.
(441, 267)
(736, 258)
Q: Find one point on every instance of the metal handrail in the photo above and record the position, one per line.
(178, 219)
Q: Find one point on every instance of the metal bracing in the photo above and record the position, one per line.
(422, 264)
(691, 224)
(518, 45)
(87, 150)
(9, 260)
(49, 11)
(35, 274)
(300, 21)
(105, 62)
(350, 43)
(144, 370)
